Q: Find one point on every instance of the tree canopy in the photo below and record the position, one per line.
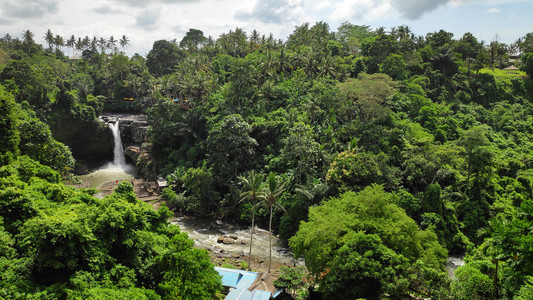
(401, 147)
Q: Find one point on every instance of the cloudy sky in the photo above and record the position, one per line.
(145, 21)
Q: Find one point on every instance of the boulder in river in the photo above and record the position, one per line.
(228, 240)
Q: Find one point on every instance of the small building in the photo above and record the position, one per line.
(184, 104)
(241, 294)
(242, 285)
(511, 70)
(161, 183)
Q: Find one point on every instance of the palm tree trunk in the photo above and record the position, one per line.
(270, 241)
(251, 238)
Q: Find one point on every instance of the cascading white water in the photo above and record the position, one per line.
(119, 160)
(116, 171)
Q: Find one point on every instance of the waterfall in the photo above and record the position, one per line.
(119, 160)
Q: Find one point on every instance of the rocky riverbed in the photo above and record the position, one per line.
(228, 244)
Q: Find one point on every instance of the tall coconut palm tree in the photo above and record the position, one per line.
(71, 43)
(86, 43)
(252, 191)
(78, 45)
(94, 44)
(254, 40)
(379, 31)
(124, 41)
(59, 41)
(27, 39)
(7, 38)
(49, 38)
(102, 44)
(274, 189)
(112, 44)
(203, 82)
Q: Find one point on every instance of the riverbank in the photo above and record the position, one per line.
(221, 254)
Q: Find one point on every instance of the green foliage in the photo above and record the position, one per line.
(37, 142)
(354, 170)
(301, 153)
(394, 66)
(186, 272)
(192, 191)
(291, 279)
(9, 135)
(233, 135)
(368, 93)
(471, 283)
(513, 242)
(365, 268)
(70, 245)
(377, 48)
(193, 39)
(446, 133)
(84, 84)
(527, 64)
(526, 291)
(370, 216)
(162, 58)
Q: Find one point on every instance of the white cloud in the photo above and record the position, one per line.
(415, 9)
(361, 10)
(26, 9)
(323, 5)
(147, 20)
(274, 11)
(493, 10)
(144, 3)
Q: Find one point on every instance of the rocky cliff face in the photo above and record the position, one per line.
(143, 160)
(90, 143)
(133, 128)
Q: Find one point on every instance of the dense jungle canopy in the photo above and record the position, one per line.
(375, 154)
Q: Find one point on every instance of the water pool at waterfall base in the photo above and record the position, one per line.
(117, 170)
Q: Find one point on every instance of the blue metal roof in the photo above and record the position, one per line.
(240, 281)
(236, 278)
(243, 294)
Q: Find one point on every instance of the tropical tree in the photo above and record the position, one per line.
(192, 40)
(274, 189)
(252, 191)
(49, 38)
(27, 39)
(233, 135)
(71, 42)
(78, 46)
(351, 36)
(163, 57)
(124, 41)
(102, 43)
(254, 40)
(112, 44)
(527, 64)
(7, 38)
(94, 44)
(59, 41)
(364, 246)
(86, 42)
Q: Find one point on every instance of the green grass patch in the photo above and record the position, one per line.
(501, 73)
(228, 266)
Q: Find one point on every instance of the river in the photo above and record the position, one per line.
(205, 233)
(453, 263)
